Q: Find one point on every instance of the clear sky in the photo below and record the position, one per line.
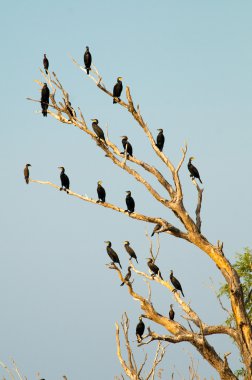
(188, 64)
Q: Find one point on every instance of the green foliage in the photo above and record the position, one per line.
(243, 266)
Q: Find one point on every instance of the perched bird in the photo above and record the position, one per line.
(130, 250)
(127, 145)
(70, 109)
(112, 254)
(154, 268)
(176, 283)
(26, 173)
(65, 183)
(46, 63)
(127, 277)
(118, 87)
(140, 329)
(160, 140)
(194, 171)
(87, 59)
(45, 94)
(101, 192)
(156, 229)
(130, 202)
(97, 130)
(171, 313)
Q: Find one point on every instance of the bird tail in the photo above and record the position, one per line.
(182, 293)
(160, 275)
(136, 260)
(87, 71)
(122, 284)
(27, 180)
(114, 101)
(44, 112)
(120, 265)
(200, 180)
(152, 234)
(46, 71)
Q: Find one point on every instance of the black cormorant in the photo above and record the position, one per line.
(154, 268)
(117, 89)
(97, 130)
(26, 173)
(70, 109)
(127, 145)
(171, 313)
(193, 171)
(130, 250)
(160, 140)
(45, 94)
(130, 202)
(140, 329)
(176, 283)
(46, 63)
(101, 192)
(112, 254)
(64, 179)
(127, 277)
(87, 59)
(156, 229)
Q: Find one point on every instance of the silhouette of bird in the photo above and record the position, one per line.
(171, 313)
(176, 283)
(156, 229)
(45, 95)
(65, 183)
(140, 329)
(112, 254)
(130, 202)
(118, 87)
(87, 59)
(101, 192)
(26, 173)
(97, 130)
(130, 250)
(127, 145)
(154, 268)
(193, 171)
(46, 63)
(160, 140)
(127, 277)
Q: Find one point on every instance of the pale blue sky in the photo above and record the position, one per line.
(188, 64)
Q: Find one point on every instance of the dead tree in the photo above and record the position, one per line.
(191, 232)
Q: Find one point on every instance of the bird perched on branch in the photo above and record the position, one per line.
(154, 268)
(26, 173)
(87, 59)
(193, 171)
(130, 250)
(118, 87)
(140, 329)
(127, 277)
(156, 229)
(130, 202)
(46, 63)
(176, 283)
(45, 95)
(127, 145)
(171, 313)
(65, 183)
(97, 130)
(160, 140)
(101, 192)
(112, 254)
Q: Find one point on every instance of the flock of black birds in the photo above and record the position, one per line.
(130, 203)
